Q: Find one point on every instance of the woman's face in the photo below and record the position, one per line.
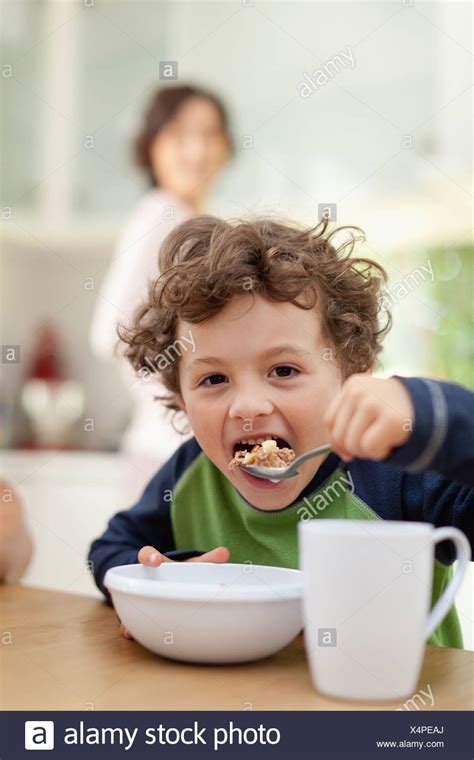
(189, 151)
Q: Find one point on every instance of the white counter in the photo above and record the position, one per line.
(68, 498)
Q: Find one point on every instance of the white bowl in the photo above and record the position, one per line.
(206, 612)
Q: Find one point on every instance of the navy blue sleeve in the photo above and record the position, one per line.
(443, 434)
(429, 497)
(147, 523)
(395, 494)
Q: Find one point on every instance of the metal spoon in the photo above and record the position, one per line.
(281, 473)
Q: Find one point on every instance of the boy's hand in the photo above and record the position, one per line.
(151, 557)
(369, 417)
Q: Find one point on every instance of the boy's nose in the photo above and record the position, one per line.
(249, 404)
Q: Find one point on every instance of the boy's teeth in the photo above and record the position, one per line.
(253, 441)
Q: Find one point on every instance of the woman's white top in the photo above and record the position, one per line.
(135, 261)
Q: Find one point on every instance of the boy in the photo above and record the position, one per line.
(261, 330)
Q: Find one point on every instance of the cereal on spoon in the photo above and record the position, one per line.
(266, 454)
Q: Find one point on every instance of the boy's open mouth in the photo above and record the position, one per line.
(267, 450)
(247, 444)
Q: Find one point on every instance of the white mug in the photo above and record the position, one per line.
(367, 593)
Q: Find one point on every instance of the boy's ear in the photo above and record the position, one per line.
(180, 402)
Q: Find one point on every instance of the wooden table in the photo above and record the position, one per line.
(64, 652)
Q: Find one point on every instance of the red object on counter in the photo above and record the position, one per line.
(46, 363)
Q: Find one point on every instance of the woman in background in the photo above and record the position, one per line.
(184, 143)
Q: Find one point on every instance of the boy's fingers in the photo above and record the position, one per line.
(220, 554)
(374, 442)
(340, 424)
(330, 415)
(125, 632)
(357, 426)
(151, 557)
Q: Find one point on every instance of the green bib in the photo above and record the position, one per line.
(207, 511)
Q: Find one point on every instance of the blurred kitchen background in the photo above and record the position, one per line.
(386, 143)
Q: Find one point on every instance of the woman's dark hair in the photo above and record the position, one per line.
(163, 106)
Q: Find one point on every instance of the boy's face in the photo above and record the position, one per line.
(259, 368)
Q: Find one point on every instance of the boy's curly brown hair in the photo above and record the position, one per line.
(206, 261)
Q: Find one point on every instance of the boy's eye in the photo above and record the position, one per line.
(214, 380)
(285, 371)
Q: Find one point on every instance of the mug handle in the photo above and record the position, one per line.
(463, 555)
